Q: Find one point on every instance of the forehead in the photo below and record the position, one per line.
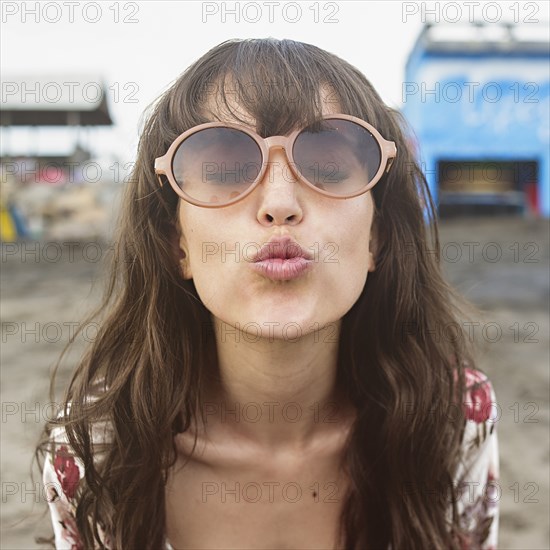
(216, 110)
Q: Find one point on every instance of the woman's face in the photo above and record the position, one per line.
(220, 242)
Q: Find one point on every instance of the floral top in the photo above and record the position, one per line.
(477, 476)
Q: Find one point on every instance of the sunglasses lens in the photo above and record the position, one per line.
(337, 155)
(216, 165)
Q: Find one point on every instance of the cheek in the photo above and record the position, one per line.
(354, 257)
(353, 237)
(200, 232)
(213, 254)
(347, 269)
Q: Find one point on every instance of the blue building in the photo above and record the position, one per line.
(477, 99)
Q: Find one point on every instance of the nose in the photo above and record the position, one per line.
(279, 190)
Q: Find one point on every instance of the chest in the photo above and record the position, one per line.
(258, 504)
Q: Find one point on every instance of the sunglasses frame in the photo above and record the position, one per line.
(163, 165)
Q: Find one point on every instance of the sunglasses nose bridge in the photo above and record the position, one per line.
(279, 142)
(276, 142)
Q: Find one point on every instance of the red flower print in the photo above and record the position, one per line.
(70, 530)
(477, 405)
(67, 471)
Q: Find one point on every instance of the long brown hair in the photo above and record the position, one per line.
(151, 352)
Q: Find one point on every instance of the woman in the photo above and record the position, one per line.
(268, 373)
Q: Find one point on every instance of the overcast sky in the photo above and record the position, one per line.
(139, 48)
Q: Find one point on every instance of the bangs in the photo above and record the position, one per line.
(272, 85)
(279, 85)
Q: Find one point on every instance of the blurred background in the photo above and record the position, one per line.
(471, 78)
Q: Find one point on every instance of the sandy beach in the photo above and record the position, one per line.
(45, 292)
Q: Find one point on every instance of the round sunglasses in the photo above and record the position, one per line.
(217, 164)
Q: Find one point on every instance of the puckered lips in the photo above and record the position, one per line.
(282, 259)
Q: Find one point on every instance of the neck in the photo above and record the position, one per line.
(277, 393)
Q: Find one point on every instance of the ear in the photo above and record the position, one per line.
(179, 251)
(373, 247)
